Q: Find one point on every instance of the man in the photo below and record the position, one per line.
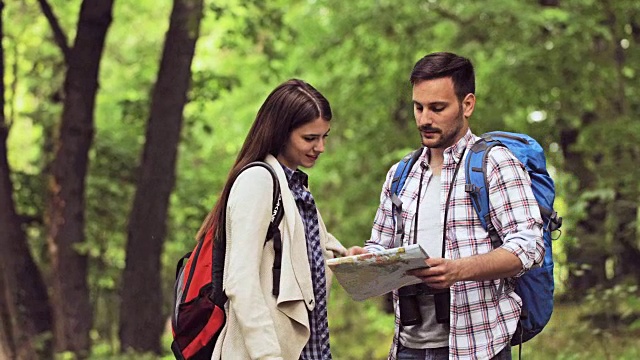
(467, 304)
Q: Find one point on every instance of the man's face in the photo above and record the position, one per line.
(440, 117)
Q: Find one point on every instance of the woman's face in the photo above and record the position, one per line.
(305, 144)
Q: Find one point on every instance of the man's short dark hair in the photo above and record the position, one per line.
(444, 64)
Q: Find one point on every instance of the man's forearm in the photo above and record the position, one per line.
(497, 264)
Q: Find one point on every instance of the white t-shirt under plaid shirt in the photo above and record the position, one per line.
(482, 320)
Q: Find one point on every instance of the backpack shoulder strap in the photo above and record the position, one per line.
(476, 183)
(403, 169)
(397, 183)
(277, 211)
(273, 232)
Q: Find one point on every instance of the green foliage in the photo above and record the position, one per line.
(359, 330)
(614, 309)
(545, 70)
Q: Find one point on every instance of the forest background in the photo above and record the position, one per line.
(120, 121)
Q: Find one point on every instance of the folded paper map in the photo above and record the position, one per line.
(367, 275)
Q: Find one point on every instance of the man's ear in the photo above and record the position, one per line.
(468, 104)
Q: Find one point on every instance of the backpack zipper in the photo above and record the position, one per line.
(192, 269)
(509, 136)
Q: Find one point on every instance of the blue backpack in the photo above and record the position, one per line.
(535, 287)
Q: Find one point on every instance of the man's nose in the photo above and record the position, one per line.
(424, 118)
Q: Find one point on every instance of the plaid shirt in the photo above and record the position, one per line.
(482, 320)
(318, 345)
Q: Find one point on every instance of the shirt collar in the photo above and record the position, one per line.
(454, 153)
(295, 177)
(457, 150)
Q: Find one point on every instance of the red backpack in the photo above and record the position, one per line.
(198, 312)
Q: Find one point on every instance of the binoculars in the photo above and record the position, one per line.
(410, 310)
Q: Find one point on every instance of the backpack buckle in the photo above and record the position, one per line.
(471, 189)
(555, 222)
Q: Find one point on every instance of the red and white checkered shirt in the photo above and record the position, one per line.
(482, 320)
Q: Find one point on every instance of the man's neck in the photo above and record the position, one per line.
(436, 159)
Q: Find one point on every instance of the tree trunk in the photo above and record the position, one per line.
(586, 258)
(141, 317)
(24, 304)
(627, 247)
(626, 240)
(551, 3)
(65, 226)
(6, 335)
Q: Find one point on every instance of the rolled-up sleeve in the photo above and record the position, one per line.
(515, 212)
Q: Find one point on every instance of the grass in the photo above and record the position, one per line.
(567, 337)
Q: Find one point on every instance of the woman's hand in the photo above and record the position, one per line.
(356, 250)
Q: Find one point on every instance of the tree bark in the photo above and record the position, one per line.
(7, 347)
(627, 250)
(550, 3)
(24, 305)
(65, 226)
(586, 256)
(6, 334)
(627, 247)
(141, 317)
(58, 35)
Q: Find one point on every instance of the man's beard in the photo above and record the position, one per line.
(446, 139)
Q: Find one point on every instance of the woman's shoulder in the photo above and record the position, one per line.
(257, 173)
(254, 181)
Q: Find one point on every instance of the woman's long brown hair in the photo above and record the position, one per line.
(289, 106)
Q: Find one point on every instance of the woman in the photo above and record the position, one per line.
(289, 132)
